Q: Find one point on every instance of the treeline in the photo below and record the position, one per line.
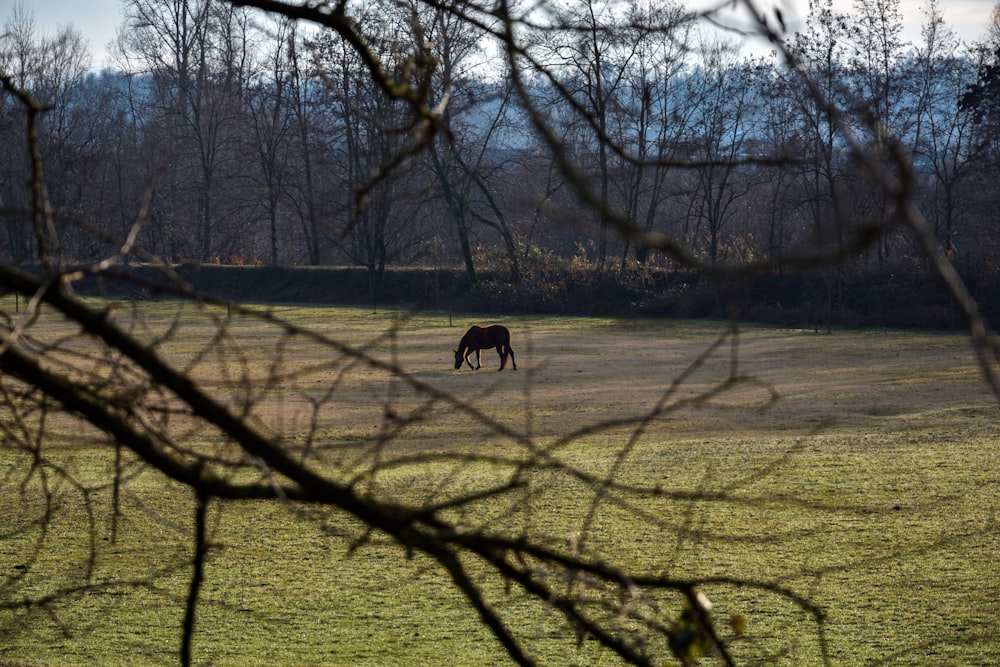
(819, 299)
(226, 136)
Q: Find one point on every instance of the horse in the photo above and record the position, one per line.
(477, 339)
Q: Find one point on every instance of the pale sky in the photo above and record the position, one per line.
(98, 19)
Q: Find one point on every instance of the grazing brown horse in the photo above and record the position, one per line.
(478, 339)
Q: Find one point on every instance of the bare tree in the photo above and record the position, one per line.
(53, 69)
(718, 138)
(943, 134)
(652, 125)
(460, 160)
(193, 53)
(272, 124)
(374, 138)
(876, 66)
(588, 56)
(301, 193)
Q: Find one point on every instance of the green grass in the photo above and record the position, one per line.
(856, 469)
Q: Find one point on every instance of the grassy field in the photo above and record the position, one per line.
(857, 469)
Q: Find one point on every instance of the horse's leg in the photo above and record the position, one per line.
(510, 351)
(467, 353)
(502, 351)
(479, 358)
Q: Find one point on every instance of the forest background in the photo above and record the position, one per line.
(225, 136)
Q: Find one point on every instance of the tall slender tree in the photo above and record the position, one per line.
(943, 131)
(194, 52)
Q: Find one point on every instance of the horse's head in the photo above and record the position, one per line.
(458, 360)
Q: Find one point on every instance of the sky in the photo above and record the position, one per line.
(97, 20)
